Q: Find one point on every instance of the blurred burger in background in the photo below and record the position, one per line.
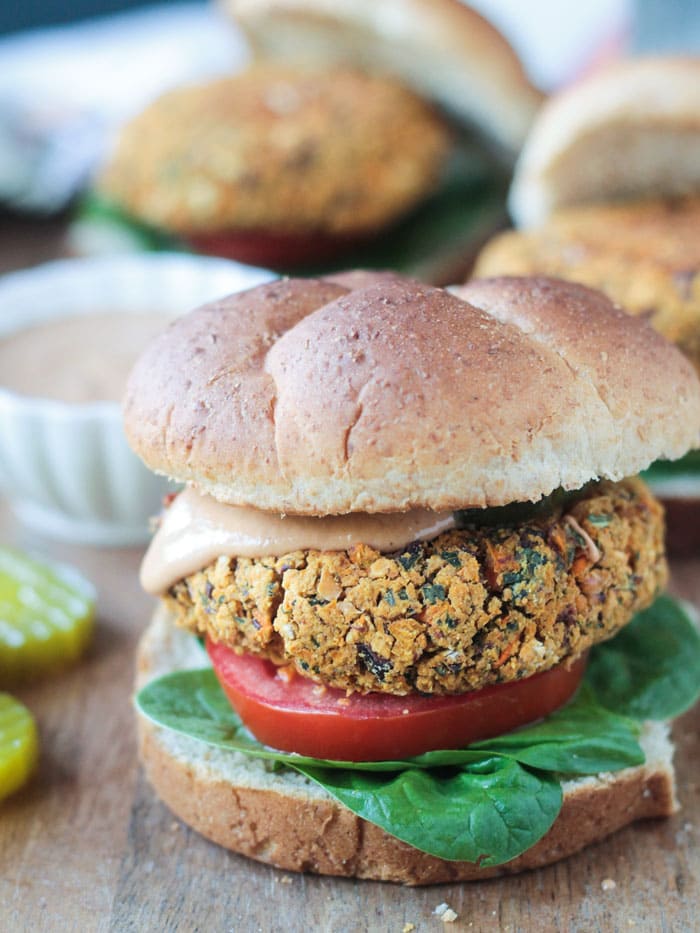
(607, 193)
(384, 140)
(278, 165)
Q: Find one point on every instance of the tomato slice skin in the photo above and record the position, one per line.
(301, 716)
(277, 250)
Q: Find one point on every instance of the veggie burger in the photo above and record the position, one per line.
(355, 132)
(411, 625)
(607, 193)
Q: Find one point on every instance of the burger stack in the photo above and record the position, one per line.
(412, 622)
(408, 517)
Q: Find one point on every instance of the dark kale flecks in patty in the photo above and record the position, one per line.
(475, 606)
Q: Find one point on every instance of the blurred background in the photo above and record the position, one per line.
(71, 72)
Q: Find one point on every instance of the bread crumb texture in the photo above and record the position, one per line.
(445, 913)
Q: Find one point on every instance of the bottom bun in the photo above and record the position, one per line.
(284, 819)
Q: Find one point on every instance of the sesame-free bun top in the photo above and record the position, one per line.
(631, 130)
(304, 396)
(442, 49)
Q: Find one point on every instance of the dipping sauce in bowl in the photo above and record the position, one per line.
(83, 358)
(70, 332)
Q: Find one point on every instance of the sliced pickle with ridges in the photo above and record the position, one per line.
(46, 617)
(19, 745)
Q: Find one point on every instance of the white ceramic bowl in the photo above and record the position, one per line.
(66, 468)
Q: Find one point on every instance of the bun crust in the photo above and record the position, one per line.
(629, 131)
(441, 48)
(645, 255)
(285, 820)
(301, 396)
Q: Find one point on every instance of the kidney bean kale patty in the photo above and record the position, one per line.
(475, 606)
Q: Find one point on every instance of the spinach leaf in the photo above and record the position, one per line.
(96, 211)
(488, 812)
(491, 801)
(660, 470)
(651, 669)
(580, 738)
(516, 513)
(193, 704)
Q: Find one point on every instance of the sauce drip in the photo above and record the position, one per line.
(196, 530)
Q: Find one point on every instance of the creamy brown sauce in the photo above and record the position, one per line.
(197, 529)
(83, 358)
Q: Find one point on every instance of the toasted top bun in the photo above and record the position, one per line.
(303, 396)
(630, 130)
(441, 48)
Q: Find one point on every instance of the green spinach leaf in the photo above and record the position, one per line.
(491, 801)
(581, 738)
(660, 470)
(193, 704)
(651, 669)
(488, 812)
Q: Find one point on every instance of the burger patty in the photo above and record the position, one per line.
(473, 607)
(643, 254)
(279, 149)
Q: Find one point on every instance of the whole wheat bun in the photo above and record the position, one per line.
(631, 130)
(286, 820)
(441, 48)
(303, 396)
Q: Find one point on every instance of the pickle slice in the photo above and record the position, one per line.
(46, 616)
(19, 745)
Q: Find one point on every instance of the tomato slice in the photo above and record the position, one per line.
(298, 715)
(276, 250)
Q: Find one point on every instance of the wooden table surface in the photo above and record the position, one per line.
(88, 847)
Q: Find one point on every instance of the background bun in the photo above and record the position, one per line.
(302, 396)
(631, 130)
(284, 819)
(441, 48)
(645, 255)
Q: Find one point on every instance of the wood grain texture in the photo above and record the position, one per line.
(87, 847)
